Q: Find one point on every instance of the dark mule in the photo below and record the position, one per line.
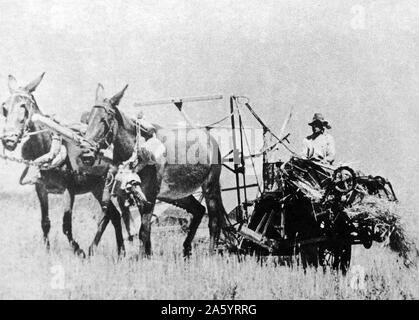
(18, 110)
(176, 181)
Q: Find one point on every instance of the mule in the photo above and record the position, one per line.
(175, 181)
(66, 180)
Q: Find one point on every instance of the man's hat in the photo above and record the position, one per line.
(318, 118)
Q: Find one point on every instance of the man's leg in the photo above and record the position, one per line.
(30, 175)
(107, 190)
(59, 158)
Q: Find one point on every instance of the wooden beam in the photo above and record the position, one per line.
(177, 100)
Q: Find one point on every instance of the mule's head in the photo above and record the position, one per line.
(18, 110)
(102, 124)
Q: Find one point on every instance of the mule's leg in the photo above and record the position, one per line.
(216, 211)
(145, 231)
(150, 186)
(116, 221)
(102, 223)
(101, 226)
(43, 201)
(194, 207)
(126, 217)
(68, 200)
(213, 223)
(109, 213)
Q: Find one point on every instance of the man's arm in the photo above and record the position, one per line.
(331, 150)
(307, 149)
(53, 152)
(147, 128)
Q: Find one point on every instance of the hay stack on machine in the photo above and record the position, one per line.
(306, 208)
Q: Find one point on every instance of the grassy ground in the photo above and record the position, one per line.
(28, 271)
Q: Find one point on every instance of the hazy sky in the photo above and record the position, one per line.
(354, 61)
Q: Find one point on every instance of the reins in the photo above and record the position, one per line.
(28, 133)
(109, 134)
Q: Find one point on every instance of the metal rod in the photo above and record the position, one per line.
(282, 232)
(264, 159)
(261, 222)
(266, 128)
(242, 161)
(240, 187)
(177, 100)
(268, 223)
(228, 168)
(236, 165)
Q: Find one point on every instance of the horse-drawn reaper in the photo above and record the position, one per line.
(301, 206)
(303, 214)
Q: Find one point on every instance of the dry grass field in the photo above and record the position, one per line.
(28, 271)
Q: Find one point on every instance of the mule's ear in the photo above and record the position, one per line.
(31, 87)
(100, 93)
(12, 83)
(5, 113)
(117, 98)
(85, 117)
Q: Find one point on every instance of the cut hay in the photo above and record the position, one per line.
(387, 226)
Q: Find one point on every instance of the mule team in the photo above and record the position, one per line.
(138, 164)
(174, 183)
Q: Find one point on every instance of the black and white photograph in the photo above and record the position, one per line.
(223, 151)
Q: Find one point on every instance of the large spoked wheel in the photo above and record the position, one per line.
(344, 180)
(337, 257)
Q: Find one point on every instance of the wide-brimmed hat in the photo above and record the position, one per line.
(318, 118)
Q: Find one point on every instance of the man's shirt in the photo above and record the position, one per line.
(320, 147)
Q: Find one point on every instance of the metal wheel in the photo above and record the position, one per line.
(344, 179)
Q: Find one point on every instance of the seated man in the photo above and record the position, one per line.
(320, 145)
(52, 159)
(147, 151)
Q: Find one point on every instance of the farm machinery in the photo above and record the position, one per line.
(301, 207)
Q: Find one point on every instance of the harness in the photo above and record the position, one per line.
(26, 131)
(29, 110)
(108, 136)
(138, 134)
